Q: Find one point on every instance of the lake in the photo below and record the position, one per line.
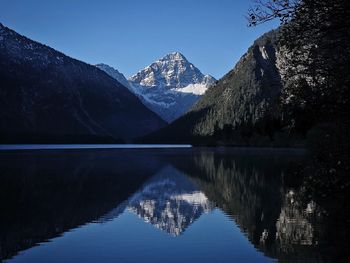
(161, 205)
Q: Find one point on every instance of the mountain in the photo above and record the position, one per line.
(244, 100)
(49, 97)
(170, 86)
(115, 74)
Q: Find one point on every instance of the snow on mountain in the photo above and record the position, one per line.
(172, 71)
(170, 86)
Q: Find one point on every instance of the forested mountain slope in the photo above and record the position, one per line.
(244, 101)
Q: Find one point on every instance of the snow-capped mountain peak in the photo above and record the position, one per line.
(170, 86)
(171, 71)
(174, 56)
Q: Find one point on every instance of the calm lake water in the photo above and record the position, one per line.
(160, 205)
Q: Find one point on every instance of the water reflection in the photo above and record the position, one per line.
(169, 201)
(45, 194)
(258, 192)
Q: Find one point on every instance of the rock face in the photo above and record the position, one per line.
(245, 97)
(170, 86)
(48, 97)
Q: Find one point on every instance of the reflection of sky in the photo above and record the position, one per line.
(214, 237)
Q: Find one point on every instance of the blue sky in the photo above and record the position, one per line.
(131, 34)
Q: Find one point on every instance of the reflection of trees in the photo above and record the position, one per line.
(257, 192)
(243, 192)
(44, 195)
(296, 224)
(301, 229)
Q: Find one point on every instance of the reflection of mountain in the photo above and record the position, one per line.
(256, 192)
(44, 194)
(169, 201)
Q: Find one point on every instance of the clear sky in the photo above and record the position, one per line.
(131, 34)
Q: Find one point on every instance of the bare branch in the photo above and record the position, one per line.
(266, 10)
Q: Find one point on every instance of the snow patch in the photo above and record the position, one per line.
(264, 52)
(196, 89)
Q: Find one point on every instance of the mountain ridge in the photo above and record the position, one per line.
(47, 96)
(245, 100)
(114, 73)
(170, 85)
